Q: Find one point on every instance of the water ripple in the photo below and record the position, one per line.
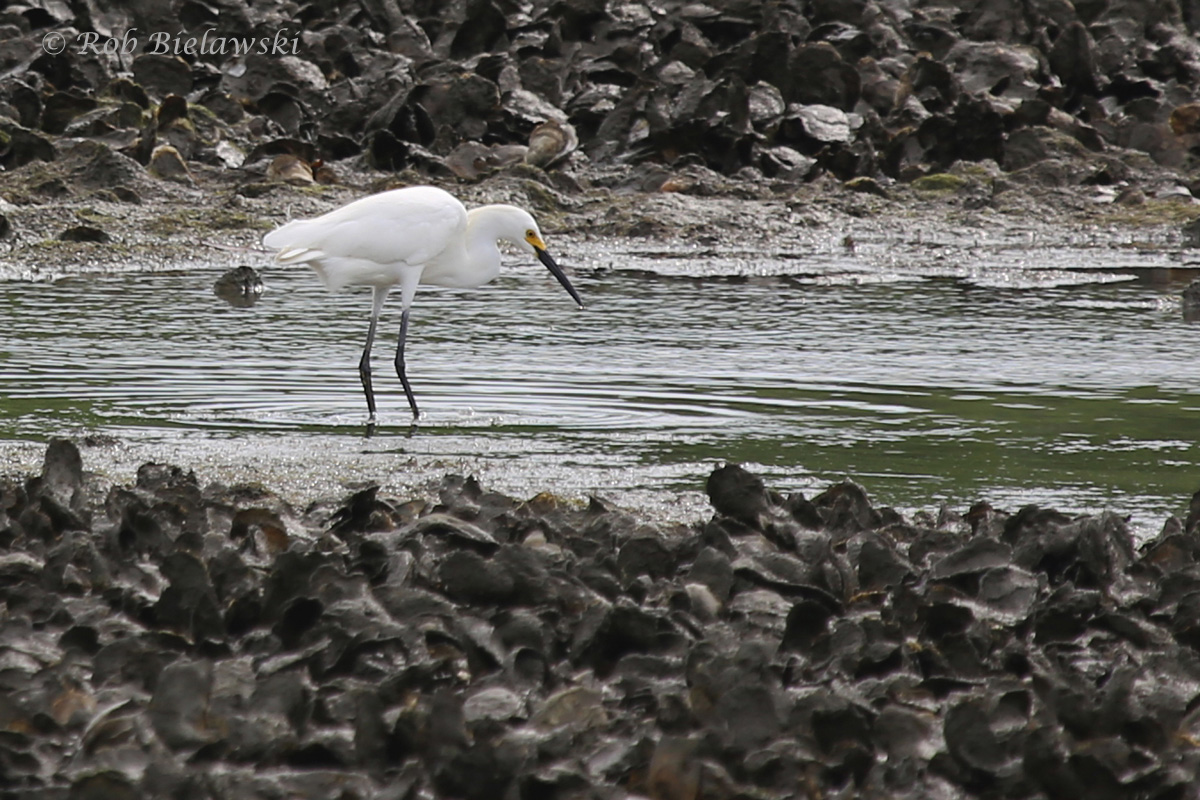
(953, 368)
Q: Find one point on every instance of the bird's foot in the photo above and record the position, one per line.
(416, 421)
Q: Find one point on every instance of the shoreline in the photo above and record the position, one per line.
(209, 221)
(285, 470)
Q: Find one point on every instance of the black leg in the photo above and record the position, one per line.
(364, 368)
(412, 401)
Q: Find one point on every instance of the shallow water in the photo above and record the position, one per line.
(947, 367)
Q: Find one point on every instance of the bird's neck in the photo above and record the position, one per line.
(483, 233)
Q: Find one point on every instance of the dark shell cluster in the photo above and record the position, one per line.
(169, 639)
(877, 91)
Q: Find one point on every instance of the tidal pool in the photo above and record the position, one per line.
(930, 368)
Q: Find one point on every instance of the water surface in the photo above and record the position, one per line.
(941, 368)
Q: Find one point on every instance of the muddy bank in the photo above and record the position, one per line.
(168, 638)
(211, 225)
(657, 119)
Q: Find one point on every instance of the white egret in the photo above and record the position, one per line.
(406, 237)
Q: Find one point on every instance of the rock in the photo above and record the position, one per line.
(784, 163)
(675, 770)
(995, 70)
(1073, 59)
(819, 124)
(26, 101)
(550, 143)
(166, 163)
(20, 146)
(84, 233)
(288, 168)
(189, 604)
(977, 555)
(162, 75)
(828, 79)
(493, 705)
(241, 287)
(1185, 119)
(879, 87)
(575, 707)
(737, 493)
(845, 507)
(260, 74)
(469, 577)
(172, 109)
(62, 472)
(645, 555)
(126, 90)
(971, 740)
(60, 108)
(713, 569)
(461, 103)
(471, 160)
(179, 708)
(867, 185)
(105, 167)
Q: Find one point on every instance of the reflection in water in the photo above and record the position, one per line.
(974, 380)
(1191, 302)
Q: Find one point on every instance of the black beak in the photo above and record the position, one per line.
(557, 272)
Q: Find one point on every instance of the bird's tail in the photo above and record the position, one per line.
(286, 240)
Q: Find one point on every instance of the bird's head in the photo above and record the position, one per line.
(519, 227)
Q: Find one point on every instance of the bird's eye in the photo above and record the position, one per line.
(529, 234)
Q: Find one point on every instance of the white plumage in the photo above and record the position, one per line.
(406, 237)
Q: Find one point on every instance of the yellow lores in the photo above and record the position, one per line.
(404, 238)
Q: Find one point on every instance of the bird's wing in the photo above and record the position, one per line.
(410, 225)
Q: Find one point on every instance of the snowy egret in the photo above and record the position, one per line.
(406, 237)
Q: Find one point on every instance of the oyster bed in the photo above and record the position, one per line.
(172, 639)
